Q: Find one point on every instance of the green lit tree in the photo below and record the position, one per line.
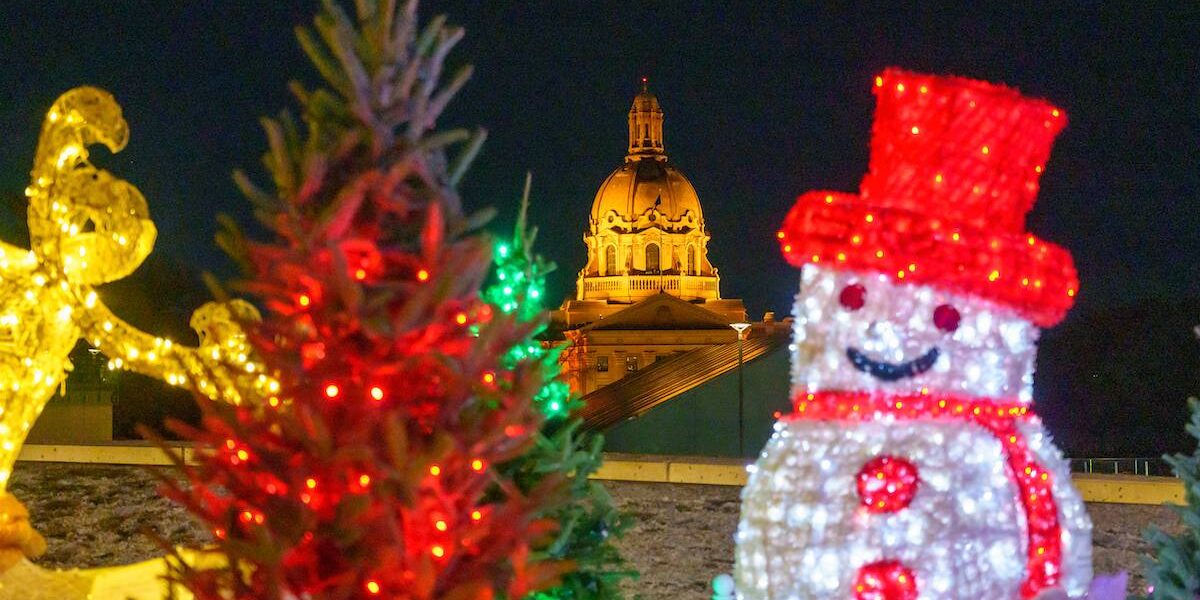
(588, 524)
(1173, 568)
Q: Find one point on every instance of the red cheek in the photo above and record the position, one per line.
(853, 296)
(946, 318)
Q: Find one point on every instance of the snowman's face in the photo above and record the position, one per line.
(865, 332)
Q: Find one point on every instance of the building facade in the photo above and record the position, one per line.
(648, 289)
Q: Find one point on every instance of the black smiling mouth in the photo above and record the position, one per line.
(887, 371)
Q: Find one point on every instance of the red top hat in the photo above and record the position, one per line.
(954, 168)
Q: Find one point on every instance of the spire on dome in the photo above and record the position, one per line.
(645, 126)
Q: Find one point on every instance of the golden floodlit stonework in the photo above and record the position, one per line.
(648, 289)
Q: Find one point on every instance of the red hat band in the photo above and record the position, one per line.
(954, 169)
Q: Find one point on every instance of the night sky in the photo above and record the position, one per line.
(762, 103)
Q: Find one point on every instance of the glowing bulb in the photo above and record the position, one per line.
(68, 152)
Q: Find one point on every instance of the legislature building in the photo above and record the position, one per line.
(648, 290)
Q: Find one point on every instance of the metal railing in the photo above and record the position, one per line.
(1148, 467)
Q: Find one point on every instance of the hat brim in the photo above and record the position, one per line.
(1034, 277)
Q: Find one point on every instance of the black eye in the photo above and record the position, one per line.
(946, 318)
(853, 296)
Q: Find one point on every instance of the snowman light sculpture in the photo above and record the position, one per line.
(913, 466)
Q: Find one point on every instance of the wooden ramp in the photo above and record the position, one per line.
(635, 394)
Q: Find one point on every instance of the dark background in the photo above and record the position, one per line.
(762, 103)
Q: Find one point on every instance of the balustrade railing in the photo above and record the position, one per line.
(616, 285)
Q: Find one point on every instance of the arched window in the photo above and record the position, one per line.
(652, 263)
(691, 265)
(610, 260)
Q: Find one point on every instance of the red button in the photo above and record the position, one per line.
(887, 484)
(885, 580)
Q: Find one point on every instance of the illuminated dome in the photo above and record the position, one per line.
(646, 234)
(647, 180)
(647, 183)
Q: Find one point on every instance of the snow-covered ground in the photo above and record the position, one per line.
(684, 535)
(96, 515)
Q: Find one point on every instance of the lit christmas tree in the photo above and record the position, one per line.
(1174, 568)
(518, 289)
(590, 521)
(401, 456)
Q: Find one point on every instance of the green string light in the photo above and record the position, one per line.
(520, 283)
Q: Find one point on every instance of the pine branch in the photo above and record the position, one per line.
(1173, 568)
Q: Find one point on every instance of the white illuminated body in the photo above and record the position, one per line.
(804, 532)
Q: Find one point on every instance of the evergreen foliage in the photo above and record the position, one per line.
(403, 456)
(590, 522)
(1173, 569)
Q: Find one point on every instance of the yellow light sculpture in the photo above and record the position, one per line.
(87, 227)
